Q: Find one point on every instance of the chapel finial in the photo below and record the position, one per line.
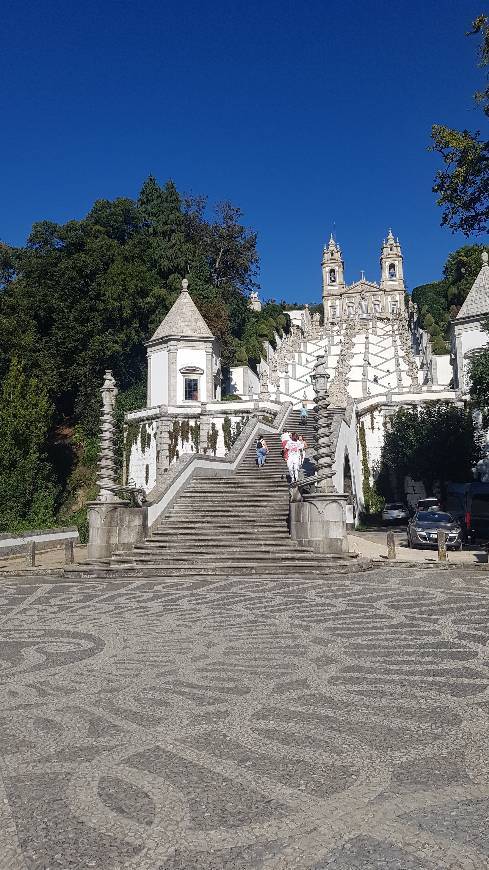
(184, 286)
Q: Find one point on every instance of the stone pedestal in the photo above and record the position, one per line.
(114, 527)
(319, 521)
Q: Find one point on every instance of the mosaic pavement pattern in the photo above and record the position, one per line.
(246, 724)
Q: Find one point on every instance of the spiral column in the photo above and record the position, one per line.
(106, 475)
(323, 425)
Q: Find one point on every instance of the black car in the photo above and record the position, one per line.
(423, 529)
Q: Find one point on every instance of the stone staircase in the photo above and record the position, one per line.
(232, 526)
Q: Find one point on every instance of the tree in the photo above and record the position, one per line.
(463, 184)
(440, 301)
(86, 295)
(479, 380)
(435, 444)
(28, 494)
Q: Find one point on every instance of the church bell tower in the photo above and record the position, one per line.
(333, 279)
(391, 270)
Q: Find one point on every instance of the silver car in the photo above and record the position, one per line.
(395, 513)
(422, 531)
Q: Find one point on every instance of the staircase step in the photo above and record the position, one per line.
(234, 526)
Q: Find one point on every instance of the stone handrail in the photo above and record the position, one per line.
(180, 472)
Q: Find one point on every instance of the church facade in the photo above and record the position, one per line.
(374, 351)
(362, 298)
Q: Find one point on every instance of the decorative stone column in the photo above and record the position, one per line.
(112, 523)
(264, 394)
(106, 476)
(318, 520)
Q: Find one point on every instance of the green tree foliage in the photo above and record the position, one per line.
(28, 492)
(462, 184)
(84, 296)
(440, 301)
(479, 380)
(434, 444)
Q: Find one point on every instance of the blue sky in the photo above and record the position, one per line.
(307, 115)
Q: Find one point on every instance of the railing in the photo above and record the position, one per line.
(37, 541)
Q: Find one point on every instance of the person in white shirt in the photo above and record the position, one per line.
(293, 457)
(302, 448)
(284, 439)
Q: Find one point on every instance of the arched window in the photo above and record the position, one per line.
(332, 276)
(392, 270)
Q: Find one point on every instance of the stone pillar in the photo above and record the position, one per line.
(264, 394)
(209, 377)
(106, 476)
(318, 519)
(31, 554)
(148, 385)
(318, 522)
(172, 373)
(69, 552)
(442, 545)
(162, 447)
(112, 524)
(324, 459)
(205, 427)
(391, 545)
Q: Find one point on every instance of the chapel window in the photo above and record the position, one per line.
(191, 389)
(392, 270)
(332, 276)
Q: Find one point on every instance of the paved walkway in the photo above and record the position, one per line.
(246, 724)
(374, 546)
(54, 558)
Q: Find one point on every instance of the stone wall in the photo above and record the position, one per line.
(156, 438)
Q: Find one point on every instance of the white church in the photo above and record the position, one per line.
(378, 360)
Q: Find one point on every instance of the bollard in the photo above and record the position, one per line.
(391, 545)
(69, 552)
(442, 546)
(31, 554)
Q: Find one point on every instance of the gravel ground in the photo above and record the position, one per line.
(245, 724)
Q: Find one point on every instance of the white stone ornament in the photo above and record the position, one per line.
(106, 475)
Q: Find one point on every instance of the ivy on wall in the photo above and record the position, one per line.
(227, 433)
(212, 437)
(173, 439)
(131, 435)
(195, 435)
(372, 500)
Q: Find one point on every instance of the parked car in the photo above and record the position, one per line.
(395, 513)
(426, 504)
(469, 504)
(423, 529)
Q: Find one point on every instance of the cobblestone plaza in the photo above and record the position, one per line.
(245, 723)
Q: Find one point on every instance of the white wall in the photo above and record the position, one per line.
(142, 462)
(244, 382)
(158, 377)
(472, 338)
(444, 370)
(373, 422)
(347, 444)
